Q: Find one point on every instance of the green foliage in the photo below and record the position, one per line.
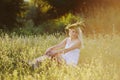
(38, 11)
(42, 5)
(45, 10)
(69, 19)
(51, 26)
(27, 29)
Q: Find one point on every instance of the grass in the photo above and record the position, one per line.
(99, 60)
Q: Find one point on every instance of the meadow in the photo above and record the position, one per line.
(99, 60)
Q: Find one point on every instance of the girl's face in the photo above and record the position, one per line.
(73, 33)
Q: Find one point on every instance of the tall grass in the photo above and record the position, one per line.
(99, 60)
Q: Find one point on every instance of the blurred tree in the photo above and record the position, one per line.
(61, 7)
(10, 10)
(38, 11)
(44, 10)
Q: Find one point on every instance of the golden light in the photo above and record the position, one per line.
(27, 0)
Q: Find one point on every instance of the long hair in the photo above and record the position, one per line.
(77, 26)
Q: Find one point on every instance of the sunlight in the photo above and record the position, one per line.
(27, 0)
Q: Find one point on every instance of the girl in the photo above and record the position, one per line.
(68, 50)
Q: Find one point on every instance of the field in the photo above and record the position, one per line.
(99, 60)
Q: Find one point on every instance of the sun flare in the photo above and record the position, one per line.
(27, 0)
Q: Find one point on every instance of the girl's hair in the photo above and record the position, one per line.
(77, 26)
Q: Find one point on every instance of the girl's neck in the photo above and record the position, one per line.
(72, 39)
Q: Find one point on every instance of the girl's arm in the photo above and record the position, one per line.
(60, 45)
(63, 51)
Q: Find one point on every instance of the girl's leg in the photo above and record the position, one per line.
(59, 59)
(42, 58)
(35, 62)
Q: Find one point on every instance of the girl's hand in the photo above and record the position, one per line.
(55, 53)
(48, 50)
(51, 53)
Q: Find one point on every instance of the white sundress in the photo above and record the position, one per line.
(71, 57)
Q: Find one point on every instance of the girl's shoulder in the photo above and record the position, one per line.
(77, 41)
(67, 38)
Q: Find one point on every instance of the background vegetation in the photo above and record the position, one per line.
(24, 35)
(49, 16)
